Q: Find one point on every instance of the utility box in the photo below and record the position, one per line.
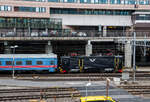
(125, 75)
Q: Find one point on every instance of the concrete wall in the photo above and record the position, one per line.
(94, 20)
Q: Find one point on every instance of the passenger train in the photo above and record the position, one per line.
(38, 62)
(41, 62)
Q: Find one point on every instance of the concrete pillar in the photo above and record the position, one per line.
(104, 31)
(128, 55)
(29, 29)
(7, 49)
(46, 30)
(88, 49)
(78, 1)
(48, 48)
(15, 30)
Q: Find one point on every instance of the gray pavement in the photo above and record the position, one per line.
(96, 88)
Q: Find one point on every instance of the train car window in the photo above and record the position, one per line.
(0, 63)
(8, 62)
(51, 62)
(28, 62)
(39, 62)
(18, 62)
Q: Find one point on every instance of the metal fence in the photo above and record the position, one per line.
(68, 33)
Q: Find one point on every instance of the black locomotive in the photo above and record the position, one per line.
(92, 63)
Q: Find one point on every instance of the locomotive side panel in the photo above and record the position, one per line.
(99, 63)
(93, 63)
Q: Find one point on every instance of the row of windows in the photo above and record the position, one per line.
(27, 63)
(38, 23)
(30, 9)
(30, 20)
(89, 12)
(124, 2)
(143, 17)
(23, 9)
(5, 8)
(36, 0)
(127, 2)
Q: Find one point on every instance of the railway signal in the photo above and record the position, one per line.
(135, 43)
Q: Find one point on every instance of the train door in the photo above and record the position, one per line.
(65, 64)
(118, 63)
(75, 64)
(81, 64)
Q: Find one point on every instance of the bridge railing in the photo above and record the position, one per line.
(79, 33)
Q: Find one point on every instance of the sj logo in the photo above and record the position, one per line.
(92, 59)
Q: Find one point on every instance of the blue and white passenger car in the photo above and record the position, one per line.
(37, 62)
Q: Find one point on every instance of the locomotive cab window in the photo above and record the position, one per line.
(51, 62)
(28, 62)
(39, 62)
(8, 62)
(18, 62)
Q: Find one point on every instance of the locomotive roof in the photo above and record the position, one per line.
(28, 55)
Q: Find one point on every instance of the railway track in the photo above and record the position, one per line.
(138, 74)
(76, 76)
(137, 89)
(37, 93)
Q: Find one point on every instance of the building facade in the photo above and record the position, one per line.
(88, 19)
(77, 15)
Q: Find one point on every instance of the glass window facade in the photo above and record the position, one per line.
(37, 23)
(30, 9)
(5, 8)
(143, 17)
(89, 11)
(36, 0)
(125, 2)
(53, 1)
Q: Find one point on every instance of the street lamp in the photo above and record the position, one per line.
(88, 84)
(134, 54)
(13, 47)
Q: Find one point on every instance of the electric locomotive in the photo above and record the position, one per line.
(92, 63)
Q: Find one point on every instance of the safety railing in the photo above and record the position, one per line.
(68, 33)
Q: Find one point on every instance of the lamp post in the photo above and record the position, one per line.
(88, 84)
(134, 54)
(107, 87)
(13, 47)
